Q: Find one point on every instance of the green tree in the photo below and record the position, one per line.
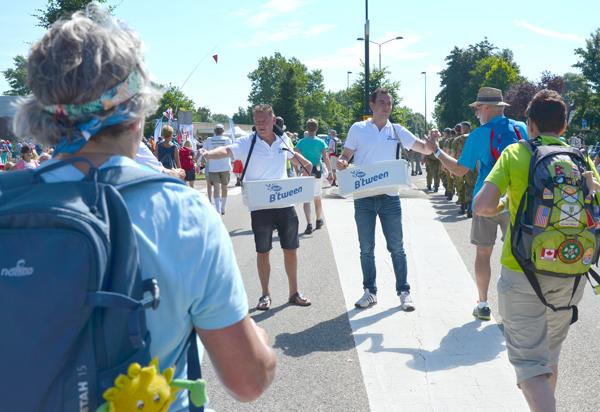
(175, 99)
(17, 77)
(56, 9)
(287, 104)
(202, 114)
(243, 116)
(377, 78)
(590, 60)
(220, 118)
(459, 88)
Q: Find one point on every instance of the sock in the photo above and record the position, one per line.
(482, 304)
(223, 201)
(218, 204)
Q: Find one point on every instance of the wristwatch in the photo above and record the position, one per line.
(437, 153)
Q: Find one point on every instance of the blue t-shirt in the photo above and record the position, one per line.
(184, 244)
(477, 150)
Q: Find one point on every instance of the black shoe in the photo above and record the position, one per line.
(446, 193)
(462, 210)
(309, 229)
(428, 187)
(435, 189)
(469, 214)
(319, 224)
(420, 173)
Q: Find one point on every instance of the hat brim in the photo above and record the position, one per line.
(489, 104)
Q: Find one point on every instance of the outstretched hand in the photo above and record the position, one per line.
(431, 141)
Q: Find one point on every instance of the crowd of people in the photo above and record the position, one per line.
(181, 239)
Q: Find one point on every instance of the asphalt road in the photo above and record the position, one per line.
(318, 366)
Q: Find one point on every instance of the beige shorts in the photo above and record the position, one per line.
(219, 177)
(332, 162)
(534, 333)
(485, 229)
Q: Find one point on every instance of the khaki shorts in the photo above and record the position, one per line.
(534, 333)
(219, 177)
(332, 162)
(485, 229)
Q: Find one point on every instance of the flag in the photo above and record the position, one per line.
(541, 217)
(232, 129)
(548, 254)
(216, 58)
(157, 130)
(168, 114)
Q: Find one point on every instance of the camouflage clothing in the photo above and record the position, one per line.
(432, 167)
(448, 142)
(457, 147)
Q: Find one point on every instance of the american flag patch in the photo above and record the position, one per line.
(541, 216)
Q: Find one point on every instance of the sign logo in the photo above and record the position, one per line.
(357, 174)
(20, 270)
(272, 187)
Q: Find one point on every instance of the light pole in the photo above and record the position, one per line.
(366, 111)
(348, 79)
(425, 78)
(381, 44)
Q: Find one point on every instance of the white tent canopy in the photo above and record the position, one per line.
(238, 132)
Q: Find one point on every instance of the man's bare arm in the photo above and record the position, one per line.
(342, 161)
(487, 201)
(220, 152)
(242, 358)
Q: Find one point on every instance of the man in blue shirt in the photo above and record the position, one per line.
(481, 150)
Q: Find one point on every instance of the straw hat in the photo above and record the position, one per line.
(489, 96)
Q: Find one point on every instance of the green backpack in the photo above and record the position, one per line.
(557, 227)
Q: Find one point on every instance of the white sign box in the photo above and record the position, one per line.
(373, 179)
(268, 194)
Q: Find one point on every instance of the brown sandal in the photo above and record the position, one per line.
(299, 300)
(264, 303)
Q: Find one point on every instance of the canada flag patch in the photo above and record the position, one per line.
(548, 254)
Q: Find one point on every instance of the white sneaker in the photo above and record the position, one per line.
(406, 303)
(367, 299)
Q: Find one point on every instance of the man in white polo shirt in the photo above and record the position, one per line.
(220, 169)
(371, 141)
(265, 159)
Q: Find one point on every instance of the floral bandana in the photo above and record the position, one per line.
(86, 124)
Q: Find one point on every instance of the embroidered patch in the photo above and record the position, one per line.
(559, 169)
(588, 199)
(569, 215)
(587, 256)
(569, 194)
(541, 217)
(547, 195)
(570, 251)
(559, 180)
(548, 254)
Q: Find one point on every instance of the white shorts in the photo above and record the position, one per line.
(332, 161)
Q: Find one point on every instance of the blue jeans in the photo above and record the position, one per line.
(388, 209)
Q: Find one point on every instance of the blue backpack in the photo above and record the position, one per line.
(72, 298)
(502, 134)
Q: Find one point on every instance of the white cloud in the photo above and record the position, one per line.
(351, 56)
(547, 32)
(318, 29)
(270, 10)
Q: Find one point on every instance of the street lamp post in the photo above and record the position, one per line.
(381, 44)
(366, 111)
(348, 79)
(425, 78)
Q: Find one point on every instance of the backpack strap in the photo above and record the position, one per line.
(125, 177)
(494, 150)
(194, 370)
(399, 145)
(248, 157)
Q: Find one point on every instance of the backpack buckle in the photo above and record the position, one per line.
(151, 286)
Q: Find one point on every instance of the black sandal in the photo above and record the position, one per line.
(299, 300)
(264, 303)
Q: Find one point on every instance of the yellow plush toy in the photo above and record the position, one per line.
(146, 389)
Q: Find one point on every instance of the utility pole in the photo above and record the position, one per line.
(366, 110)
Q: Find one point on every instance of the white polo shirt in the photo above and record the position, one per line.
(372, 145)
(218, 165)
(267, 161)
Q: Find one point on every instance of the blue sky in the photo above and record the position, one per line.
(322, 34)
